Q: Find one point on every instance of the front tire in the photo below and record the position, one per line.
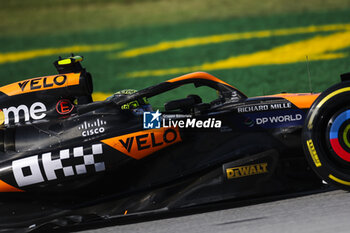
(326, 135)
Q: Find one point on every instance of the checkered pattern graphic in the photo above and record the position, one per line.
(68, 171)
(53, 165)
(89, 159)
(69, 163)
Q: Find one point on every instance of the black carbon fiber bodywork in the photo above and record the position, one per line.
(81, 162)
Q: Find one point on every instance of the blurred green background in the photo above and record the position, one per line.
(258, 46)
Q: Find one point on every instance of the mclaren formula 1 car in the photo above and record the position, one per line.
(66, 160)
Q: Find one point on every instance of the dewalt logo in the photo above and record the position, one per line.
(248, 170)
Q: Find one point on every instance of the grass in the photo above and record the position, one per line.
(62, 23)
(37, 17)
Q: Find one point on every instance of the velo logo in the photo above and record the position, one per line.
(143, 143)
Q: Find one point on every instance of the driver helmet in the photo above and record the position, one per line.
(136, 106)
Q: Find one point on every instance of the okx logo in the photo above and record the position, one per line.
(59, 165)
(151, 120)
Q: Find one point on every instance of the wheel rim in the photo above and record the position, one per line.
(339, 135)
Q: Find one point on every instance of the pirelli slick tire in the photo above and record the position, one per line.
(326, 135)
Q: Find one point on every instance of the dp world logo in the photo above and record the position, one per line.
(151, 120)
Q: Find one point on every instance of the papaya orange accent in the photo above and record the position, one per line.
(198, 75)
(4, 187)
(41, 83)
(73, 79)
(301, 100)
(143, 143)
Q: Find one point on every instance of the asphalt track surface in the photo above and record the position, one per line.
(320, 212)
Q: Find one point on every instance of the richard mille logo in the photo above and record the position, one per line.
(92, 128)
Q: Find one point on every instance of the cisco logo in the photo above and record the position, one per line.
(92, 128)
